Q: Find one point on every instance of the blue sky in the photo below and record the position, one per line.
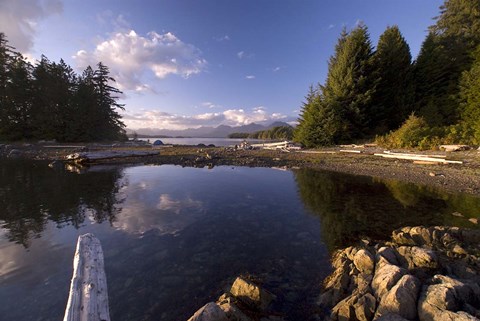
(187, 63)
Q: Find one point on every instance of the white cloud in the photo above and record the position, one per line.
(19, 19)
(234, 117)
(129, 56)
(210, 105)
(223, 38)
(277, 69)
(250, 77)
(244, 55)
(331, 26)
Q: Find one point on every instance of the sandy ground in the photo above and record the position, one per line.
(452, 177)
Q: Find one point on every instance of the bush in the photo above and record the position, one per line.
(414, 133)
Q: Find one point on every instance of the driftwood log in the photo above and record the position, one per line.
(88, 298)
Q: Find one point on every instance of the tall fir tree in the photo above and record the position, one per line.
(393, 96)
(445, 55)
(470, 100)
(336, 114)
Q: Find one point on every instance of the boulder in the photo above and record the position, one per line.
(385, 278)
(417, 257)
(251, 294)
(209, 312)
(227, 303)
(364, 261)
(401, 299)
(365, 307)
(443, 299)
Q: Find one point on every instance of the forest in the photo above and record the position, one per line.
(278, 132)
(49, 101)
(381, 93)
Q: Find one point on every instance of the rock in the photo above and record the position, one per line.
(443, 299)
(14, 153)
(209, 312)
(251, 294)
(473, 220)
(344, 309)
(391, 317)
(417, 257)
(337, 283)
(56, 164)
(401, 299)
(385, 278)
(364, 261)
(388, 254)
(233, 312)
(365, 307)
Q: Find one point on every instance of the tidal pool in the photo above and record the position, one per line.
(175, 238)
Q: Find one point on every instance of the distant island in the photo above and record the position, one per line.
(222, 131)
(278, 132)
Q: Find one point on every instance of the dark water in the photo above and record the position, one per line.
(174, 238)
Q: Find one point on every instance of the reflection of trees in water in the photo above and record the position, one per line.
(31, 194)
(351, 207)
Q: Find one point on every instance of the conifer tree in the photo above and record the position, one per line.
(445, 55)
(393, 97)
(470, 100)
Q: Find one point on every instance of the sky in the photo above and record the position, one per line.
(190, 63)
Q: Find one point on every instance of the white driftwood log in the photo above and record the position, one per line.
(419, 158)
(88, 298)
(109, 154)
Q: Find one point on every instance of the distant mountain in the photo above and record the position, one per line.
(221, 131)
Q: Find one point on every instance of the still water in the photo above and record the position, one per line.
(175, 238)
(205, 141)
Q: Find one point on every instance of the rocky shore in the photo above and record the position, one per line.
(421, 274)
(453, 178)
(425, 274)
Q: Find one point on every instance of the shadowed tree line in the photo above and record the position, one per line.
(31, 196)
(48, 100)
(370, 92)
(352, 207)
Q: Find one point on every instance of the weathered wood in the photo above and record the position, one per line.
(317, 151)
(109, 154)
(454, 148)
(88, 297)
(419, 158)
(410, 154)
(350, 151)
(277, 144)
(64, 146)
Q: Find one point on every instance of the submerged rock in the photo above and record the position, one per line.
(246, 301)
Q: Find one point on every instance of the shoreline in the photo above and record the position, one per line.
(453, 178)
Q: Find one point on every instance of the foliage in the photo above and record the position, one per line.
(49, 101)
(335, 113)
(470, 100)
(238, 135)
(369, 93)
(393, 92)
(279, 132)
(414, 133)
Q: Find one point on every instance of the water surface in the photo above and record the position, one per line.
(174, 238)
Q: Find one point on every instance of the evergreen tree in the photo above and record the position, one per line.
(392, 101)
(335, 113)
(470, 100)
(445, 55)
(109, 123)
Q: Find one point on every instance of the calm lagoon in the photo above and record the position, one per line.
(175, 238)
